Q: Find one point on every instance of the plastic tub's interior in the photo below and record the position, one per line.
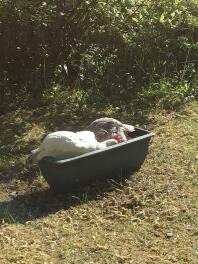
(137, 133)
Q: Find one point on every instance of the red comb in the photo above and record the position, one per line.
(117, 138)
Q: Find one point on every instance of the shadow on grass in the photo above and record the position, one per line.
(16, 125)
(19, 172)
(28, 207)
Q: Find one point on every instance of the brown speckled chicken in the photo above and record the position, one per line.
(106, 128)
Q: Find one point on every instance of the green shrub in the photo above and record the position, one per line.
(107, 48)
(167, 93)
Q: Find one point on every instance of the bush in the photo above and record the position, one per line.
(167, 93)
(112, 47)
(37, 39)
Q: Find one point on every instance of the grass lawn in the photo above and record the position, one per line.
(153, 218)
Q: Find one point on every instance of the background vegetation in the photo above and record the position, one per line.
(143, 50)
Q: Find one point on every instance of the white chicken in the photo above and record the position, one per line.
(67, 144)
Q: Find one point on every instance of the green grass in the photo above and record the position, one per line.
(150, 219)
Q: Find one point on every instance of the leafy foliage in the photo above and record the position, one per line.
(113, 48)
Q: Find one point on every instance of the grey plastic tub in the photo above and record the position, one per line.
(113, 162)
